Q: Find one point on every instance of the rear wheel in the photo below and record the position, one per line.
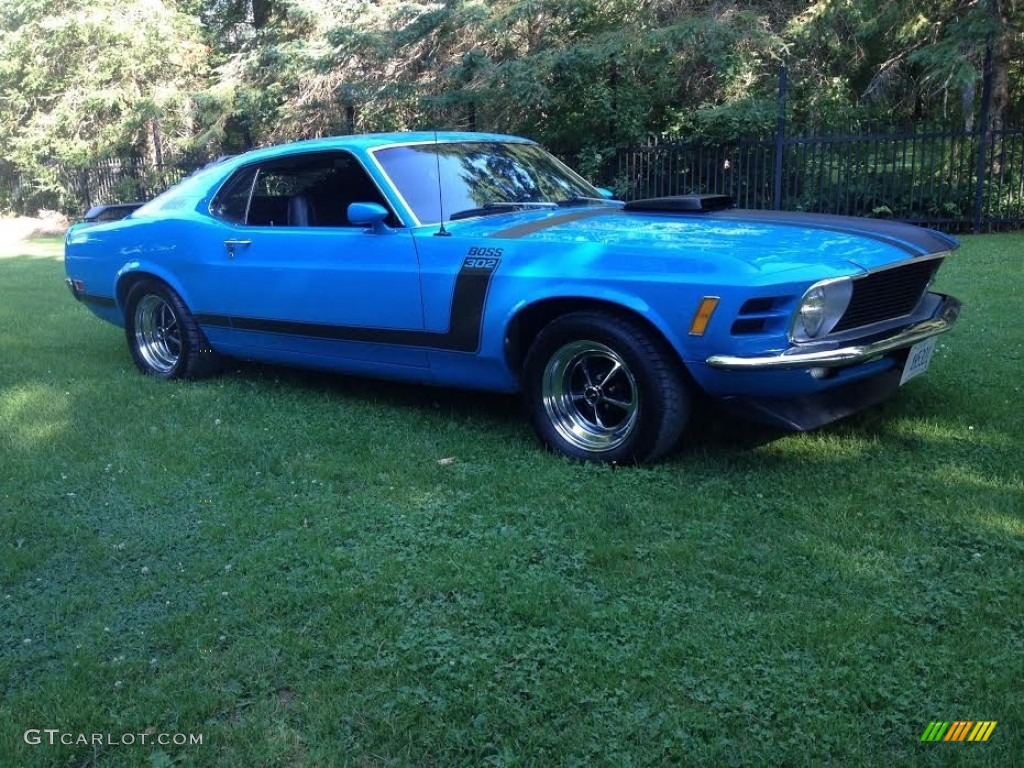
(163, 336)
(602, 388)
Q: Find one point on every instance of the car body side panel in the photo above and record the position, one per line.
(319, 291)
(104, 255)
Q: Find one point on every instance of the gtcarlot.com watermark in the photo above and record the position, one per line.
(55, 736)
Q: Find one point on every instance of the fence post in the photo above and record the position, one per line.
(84, 181)
(780, 142)
(986, 95)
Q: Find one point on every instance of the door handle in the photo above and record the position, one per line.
(233, 245)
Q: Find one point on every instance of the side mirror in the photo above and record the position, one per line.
(607, 194)
(370, 215)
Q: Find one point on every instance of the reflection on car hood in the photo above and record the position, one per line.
(763, 240)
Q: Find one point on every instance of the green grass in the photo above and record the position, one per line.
(290, 565)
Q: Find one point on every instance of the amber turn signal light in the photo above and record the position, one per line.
(702, 316)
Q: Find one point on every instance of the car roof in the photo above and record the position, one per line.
(373, 141)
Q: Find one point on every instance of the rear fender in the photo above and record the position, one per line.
(133, 271)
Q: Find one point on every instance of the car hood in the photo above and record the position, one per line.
(759, 240)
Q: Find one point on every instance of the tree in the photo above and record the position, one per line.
(82, 80)
(912, 60)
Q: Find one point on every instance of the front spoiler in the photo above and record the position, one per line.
(793, 358)
(812, 411)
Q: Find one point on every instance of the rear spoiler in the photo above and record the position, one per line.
(681, 204)
(111, 212)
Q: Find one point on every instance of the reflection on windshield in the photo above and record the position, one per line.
(477, 175)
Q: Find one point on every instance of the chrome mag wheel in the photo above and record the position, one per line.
(590, 396)
(157, 334)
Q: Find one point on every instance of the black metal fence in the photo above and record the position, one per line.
(926, 177)
(957, 181)
(74, 190)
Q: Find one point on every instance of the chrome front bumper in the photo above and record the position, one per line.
(944, 319)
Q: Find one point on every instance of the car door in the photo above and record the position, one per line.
(298, 280)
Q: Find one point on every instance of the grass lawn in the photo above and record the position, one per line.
(308, 570)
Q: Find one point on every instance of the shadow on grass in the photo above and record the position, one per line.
(712, 430)
(496, 407)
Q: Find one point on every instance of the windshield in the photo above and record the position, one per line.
(478, 175)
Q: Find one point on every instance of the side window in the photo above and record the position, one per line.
(312, 190)
(232, 201)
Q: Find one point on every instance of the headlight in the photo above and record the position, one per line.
(820, 309)
(812, 312)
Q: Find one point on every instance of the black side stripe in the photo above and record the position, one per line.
(465, 321)
(99, 301)
(522, 230)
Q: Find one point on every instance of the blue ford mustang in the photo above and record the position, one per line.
(478, 260)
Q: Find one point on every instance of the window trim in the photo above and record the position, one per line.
(252, 191)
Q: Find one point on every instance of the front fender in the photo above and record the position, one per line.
(579, 295)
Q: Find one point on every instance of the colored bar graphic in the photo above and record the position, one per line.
(959, 730)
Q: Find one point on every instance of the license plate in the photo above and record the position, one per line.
(918, 359)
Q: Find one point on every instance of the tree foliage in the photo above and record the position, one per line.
(83, 78)
(157, 78)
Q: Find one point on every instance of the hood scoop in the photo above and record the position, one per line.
(681, 204)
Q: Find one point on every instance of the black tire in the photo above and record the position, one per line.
(601, 387)
(163, 336)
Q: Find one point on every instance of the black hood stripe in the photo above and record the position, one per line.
(465, 321)
(911, 239)
(522, 230)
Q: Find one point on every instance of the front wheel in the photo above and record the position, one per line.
(603, 388)
(163, 336)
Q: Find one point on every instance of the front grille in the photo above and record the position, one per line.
(887, 294)
(748, 325)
